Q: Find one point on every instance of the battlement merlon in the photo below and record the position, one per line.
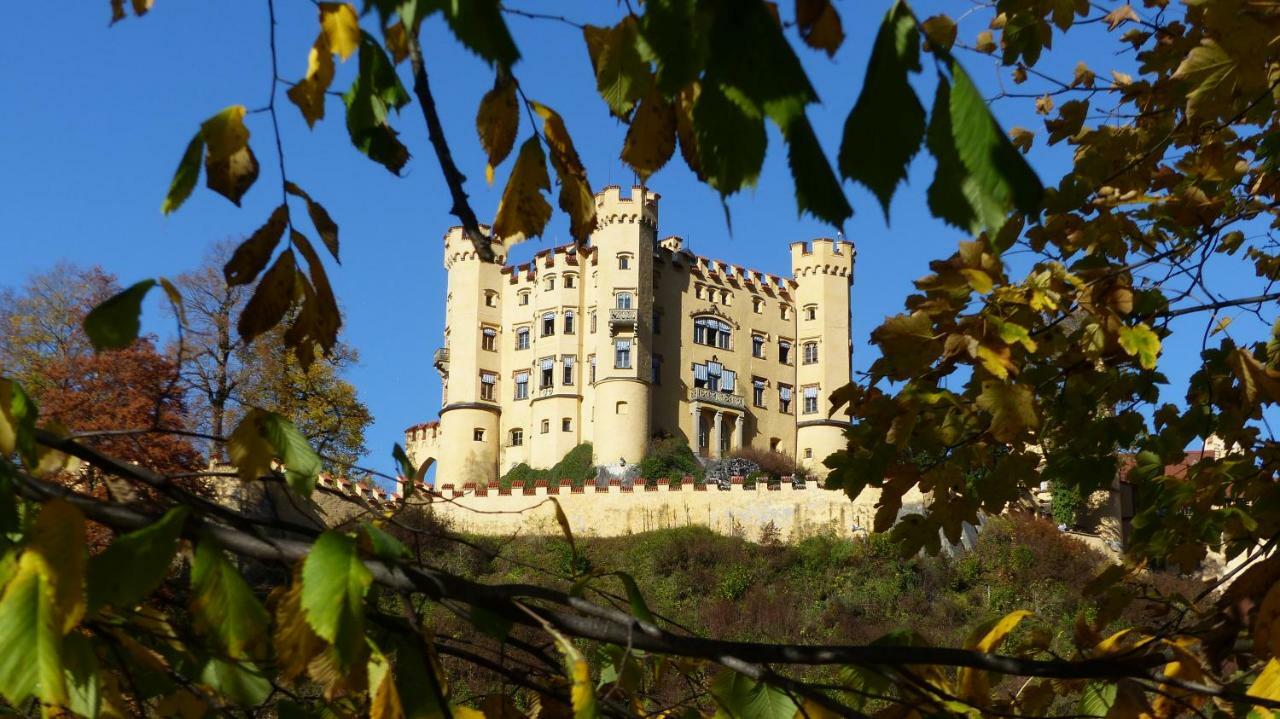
(613, 208)
(457, 248)
(823, 256)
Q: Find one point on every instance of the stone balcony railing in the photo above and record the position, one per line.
(619, 318)
(711, 396)
(441, 357)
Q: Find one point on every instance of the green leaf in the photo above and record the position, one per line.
(1011, 407)
(818, 192)
(952, 195)
(334, 583)
(750, 54)
(81, 675)
(622, 75)
(301, 463)
(674, 34)
(639, 609)
(376, 90)
(480, 27)
(1142, 342)
(1097, 699)
(241, 682)
(31, 663)
(135, 563)
(184, 179)
(382, 545)
(490, 623)
(222, 604)
(998, 171)
(406, 468)
(740, 697)
(730, 139)
(887, 124)
(114, 324)
(1211, 71)
(17, 422)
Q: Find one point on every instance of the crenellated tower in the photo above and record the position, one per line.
(623, 246)
(823, 274)
(470, 419)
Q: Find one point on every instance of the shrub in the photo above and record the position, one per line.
(775, 464)
(575, 466)
(669, 457)
(1065, 503)
(756, 477)
(521, 473)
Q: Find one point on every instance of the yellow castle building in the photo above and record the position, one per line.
(632, 337)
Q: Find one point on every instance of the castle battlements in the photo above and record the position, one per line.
(823, 256)
(613, 208)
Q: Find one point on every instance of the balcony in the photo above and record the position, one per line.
(711, 396)
(620, 319)
(441, 359)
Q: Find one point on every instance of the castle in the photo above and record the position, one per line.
(630, 337)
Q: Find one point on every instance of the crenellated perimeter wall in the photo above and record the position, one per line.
(795, 511)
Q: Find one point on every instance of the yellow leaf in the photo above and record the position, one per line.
(941, 32)
(341, 26)
(497, 122)
(986, 42)
(1256, 381)
(1012, 333)
(58, 538)
(1011, 407)
(309, 93)
(524, 211)
(1123, 13)
(248, 448)
(979, 280)
(651, 140)
(229, 164)
(995, 360)
(1170, 700)
(975, 686)
(1084, 77)
(576, 198)
(1267, 686)
(461, 712)
(1142, 342)
(384, 700)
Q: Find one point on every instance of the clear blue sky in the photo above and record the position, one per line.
(98, 117)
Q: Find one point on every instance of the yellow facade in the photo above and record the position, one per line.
(633, 337)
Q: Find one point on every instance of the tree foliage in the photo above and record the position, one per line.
(1004, 370)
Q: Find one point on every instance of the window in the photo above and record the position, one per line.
(697, 291)
(811, 312)
(808, 452)
(657, 323)
(546, 426)
(785, 312)
(784, 398)
(568, 282)
(566, 424)
(713, 376)
(490, 298)
(477, 434)
(548, 366)
(656, 362)
(593, 321)
(724, 297)
(620, 408)
(757, 391)
(488, 381)
(622, 354)
(522, 338)
(784, 352)
(810, 400)
(567, 364)
(810, 353)
(550, 284)
(774, 443)
(522, 385)
(623, 301)
(524, 297)
(489, 339)
(568, 322)
(517, 437)
(548, 324)
(757, 346)
(712, 332)
(624, 262)
(592, 361)
(757, 306)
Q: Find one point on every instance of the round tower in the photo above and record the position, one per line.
(622, 249)
(823, 274)
(469, 432)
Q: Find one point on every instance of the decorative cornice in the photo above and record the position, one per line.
(714, 311)
(823, 423)
(471, 405)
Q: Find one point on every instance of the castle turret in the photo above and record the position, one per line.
(823, 272)
(470, 363)
(623, 247)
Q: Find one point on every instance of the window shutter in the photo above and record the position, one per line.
(727, 379)
(548, 363)
(568, 361)
(811, 392)
(785, 393)
(700, 371)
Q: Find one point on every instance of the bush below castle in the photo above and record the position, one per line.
(575, 466)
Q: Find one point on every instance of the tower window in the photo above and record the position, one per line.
(567, 366)
(522, 338)
(568, 322)
(757, 346)
(517, 437)
(784, 352)
(624, 300)
(712, 332)
(524, 297)
(811, 312)
(548, 324)
(757, 306)
(477, 434)
(810, 400)
(620, 408)
(489, 339)
(622, 354)
(624, 262)
(785, 312)
(784, 398)
(546, 426)
(522, 385)
(550, 284)
(757, 391)
(490, 298)
(488, 381)
(566, 424)
(548, 367)
(808, 452)
(810, 352)
(568, 282)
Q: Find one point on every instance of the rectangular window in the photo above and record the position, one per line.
(522, 385)
(566, 425)
(784, 352)
(784, 398)
(546, 426)
(524, 298)
(624, 262)
(489, 339)
(568, 282)
(567, 364)
(757, 346)
(522, 338)
(548, 368)
(477, 434)
(622, 354)
(592, 361)
(488, 381)
(810, 352)
(593, 321)
(568, 323)
(757, 391)
(548, 324)
(810, 400)
(517, 437)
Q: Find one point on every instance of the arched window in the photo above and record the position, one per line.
(713, 332)
(624, 300)
(810, 352)
(522, 338)
(624, 262)
(811, 312)
(550, 283)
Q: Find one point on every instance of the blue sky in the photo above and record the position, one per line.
(99, 116)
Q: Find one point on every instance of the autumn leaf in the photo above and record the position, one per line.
(523, 211)
(252, 255)
(1012, 409)
(1140, 341)
(820, 25)
(271, 299)
(184, 179)
(651, 139)
(320, 219)
(229, 165)
(941, 31)
(497, 122)
(341, 27)
(576, 198)
(309, 93)
(622, 75)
